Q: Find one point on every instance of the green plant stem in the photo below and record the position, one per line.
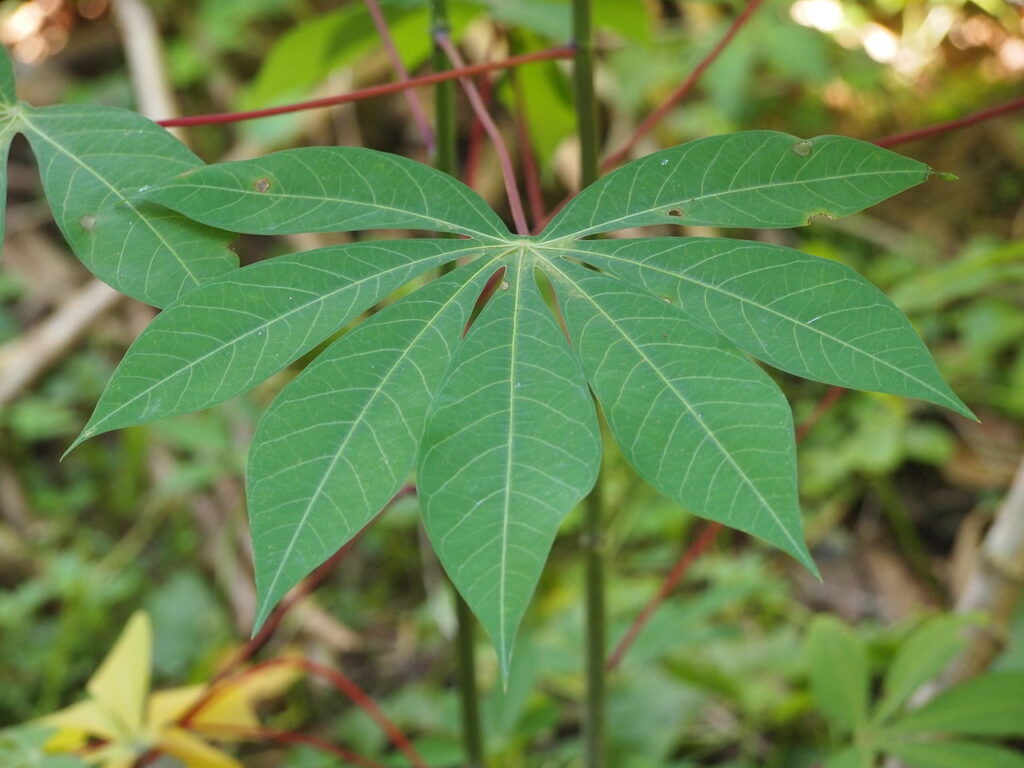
(593, 555)
(472, 733)
(583, 91)
(593, 561)
(445, 160)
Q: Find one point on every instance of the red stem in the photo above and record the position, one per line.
(695, 550)
(684, 89)
(419, 115)
(527, 158)
(951, 125)
(515, 203)
(561, 52)
(476, 138)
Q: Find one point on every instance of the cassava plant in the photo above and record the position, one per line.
(489, 406)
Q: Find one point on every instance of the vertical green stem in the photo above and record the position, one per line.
(445, 160)
(592, 541)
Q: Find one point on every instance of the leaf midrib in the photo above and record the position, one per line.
(610, 224)
(448, 226)
(686, 403)
(582, 253)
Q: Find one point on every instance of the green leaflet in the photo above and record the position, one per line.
(8, 126)
(94, 161)
(341, 439)
(511, 446)
(749, 179)
(697, 420)
(955, 754)
(230, 334)
(329, 189)
(920, 658)
(988, 705)
(807, 315)
(839, 674)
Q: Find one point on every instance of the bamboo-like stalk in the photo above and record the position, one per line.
(445, 159)
(594, 738)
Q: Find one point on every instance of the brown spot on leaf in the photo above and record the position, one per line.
(676, 212)
(261, 185)
(88, 222)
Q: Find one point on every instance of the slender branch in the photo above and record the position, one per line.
(561, 52)
(444, 94)
(477, 133)
(527, 158)
(699, 546)
(704, 541)
(472, 731)
(592, 539)
(951, 125)
(419, 115)
(515, 203)
(684, 89)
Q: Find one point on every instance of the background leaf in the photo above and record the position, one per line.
(697, 420)
(511, 446)
(93, 162)
(341, 439)
(329, 189)
(748, 179)
(920, 657)
(810, 316)
(955, 754)
(989, 705)
(232, 333)
(837, 661)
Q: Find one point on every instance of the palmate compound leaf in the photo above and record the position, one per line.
(94, 161)
(511, 446)
(230, 334)
(329, 189)
(809, 316)
(748, 179)
(340, 440)
(697, 419)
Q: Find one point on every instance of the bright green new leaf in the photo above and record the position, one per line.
(806, 315)
(838, 666)
(749, 179)
(329, 189)
(989, 705)
(235, 331)
(697, 419)
(852, 757)
(341, 439)
(920, 658)
(511, 446)
(954, 754)
(94, 162)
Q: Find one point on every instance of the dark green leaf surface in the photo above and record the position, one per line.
(232, 333)
(807, 315)
(94, 161)
(329, 189)
(955, 754)
(749, 179)
(511, 446)
(697, 419)
(838, 665)
(341, 439)
(989, 705)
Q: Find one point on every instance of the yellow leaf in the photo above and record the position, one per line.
(75, 723)
(122, 681)
(167, 707)
(192, 751)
